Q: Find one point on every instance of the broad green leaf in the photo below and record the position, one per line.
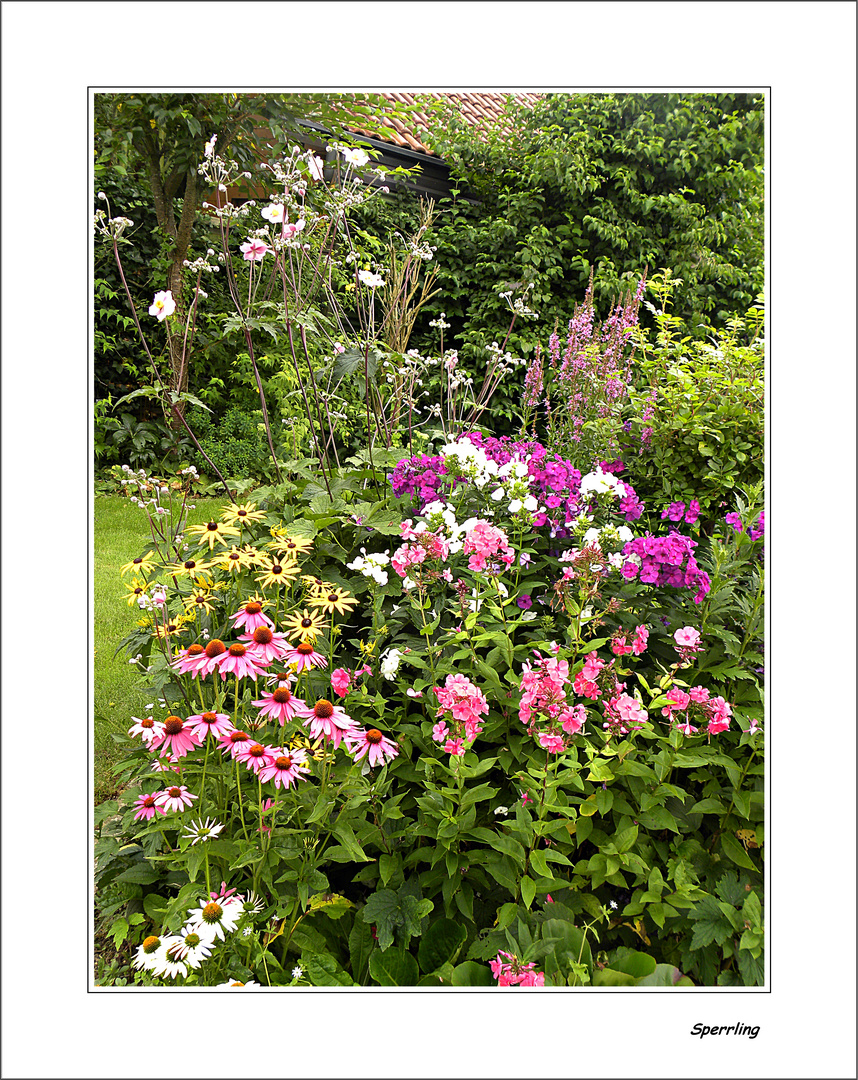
(441, 944)
(361, 946)
(395, 967)
(323, 970)
(735, 852)
(471, 973)
(528, 891)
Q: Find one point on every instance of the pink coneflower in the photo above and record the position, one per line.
(214, 651)
(234, 742)
(255, 756)
(148, 728)
(175, 738)
(304, 656)
(265, 645)
(251, 616)
(218, 724)
(146, 808)
(325, 718)
(237, 660)
(175, 798)
(371, 743)
(280, 705)
(285, 769)
(190, 659)
(162, 766)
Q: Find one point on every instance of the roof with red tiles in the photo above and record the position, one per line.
(477, 108)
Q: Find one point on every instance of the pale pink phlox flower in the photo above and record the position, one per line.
(341, 681)
(554, 744)
(456, 747)
(370, 743)
(687, 638)
(175, 798)
(484, 542)
(572, 719)
(440, 731)
(719, 713)
(640, 642)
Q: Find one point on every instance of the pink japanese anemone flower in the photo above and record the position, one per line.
(265, 645)
(251, 617)
(176, 738)
(286, 768)
(280, 704)
(371, 743)
(218, 724)
(240, 662)
(325, 718)
(304, 656)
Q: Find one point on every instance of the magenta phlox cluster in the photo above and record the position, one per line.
(423, 477)
(512, 972)
(464, 703)
(488, 548)
(665, 560)
(677, 511)
(624, 714)
(695, 710)
(755, 531)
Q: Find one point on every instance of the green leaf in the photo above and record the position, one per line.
(383, 911)
(139, 874)
(735, 852)
(361, 946)
(528, 891)
(395, 967)
(345, 834)
(665, 975)
(441, 944)
(634, 963)
(470, 973)
(710, 924)
(323, 970)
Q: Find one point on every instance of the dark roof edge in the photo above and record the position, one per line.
(388, 147)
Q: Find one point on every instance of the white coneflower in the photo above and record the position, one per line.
(146, 952)
(195, 945)
(201, 830)
(219, 918)
(166, 963)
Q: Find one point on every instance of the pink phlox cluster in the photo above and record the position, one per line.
(665, 560)
(621, 646)
(543, 688)
(585, 684)
(423, 544)
(486, 544)
(464, 703)
(676, 511)
(512, 972)
(624, 714)
(697, 705)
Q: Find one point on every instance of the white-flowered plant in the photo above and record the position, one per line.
(372, 566)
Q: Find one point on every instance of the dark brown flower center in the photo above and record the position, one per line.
(212, 526)
(215, 648)
(242, 513)
(238, 736)
(281, 695)
(374, 736)
(195, 650)
(306, 623)
(305, 648)
(237, 650)
(333, 597)
(170, 628)
(173, 725)
(262, 635)
(209, 718)
(283, 762)
(324, 710)
(137, 591)
(174, 792)
(147, 722)
(137, 561)
(257, 750)
(235, 556)
(190, 564)
(252, 608)
(149, 801)
(276, 569)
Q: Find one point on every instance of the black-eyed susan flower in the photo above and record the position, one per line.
(172, 624)
(235, 560)
(304, 626)
(291, 547)
(214, 532)
(277, 573)
(335, 599)
(191, 568)
(135, 591)
(200, 602)
(144, 564)
(243, 514)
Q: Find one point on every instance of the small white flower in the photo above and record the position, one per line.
(613, 905)
(210, 146)
(501, 811)
(390, 661)
(163, 305)
(358, 158)
(275, 213)
(372, 281)
(297, 972)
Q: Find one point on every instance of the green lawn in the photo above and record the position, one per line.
(121, 533)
